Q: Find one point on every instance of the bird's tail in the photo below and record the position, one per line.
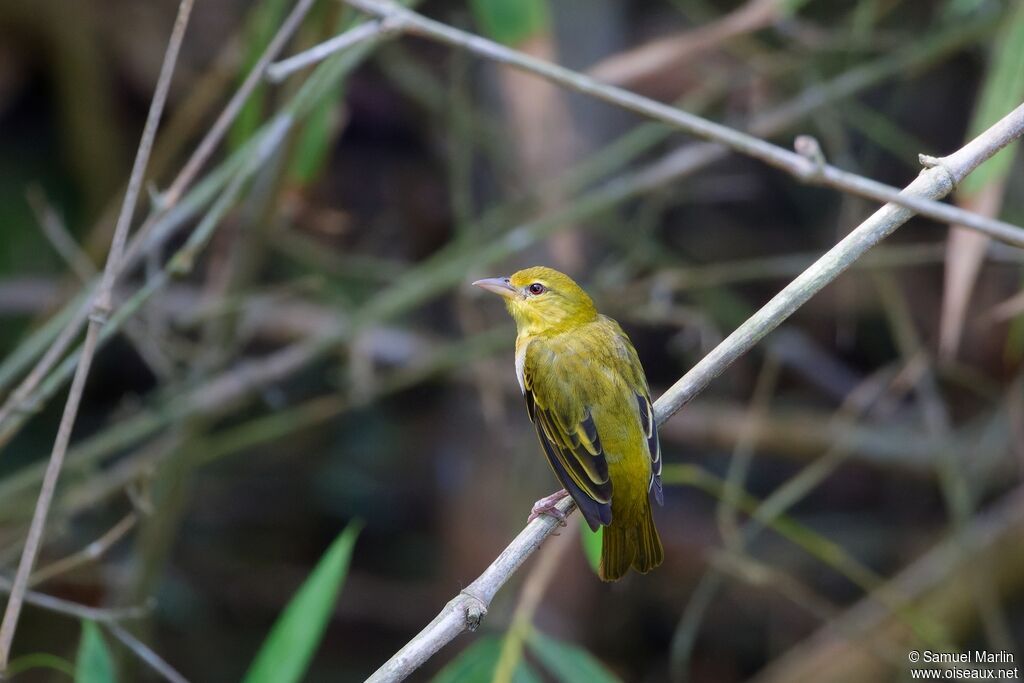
(630, 543)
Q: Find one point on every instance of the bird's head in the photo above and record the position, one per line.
(542, 300)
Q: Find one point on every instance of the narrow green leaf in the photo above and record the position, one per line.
(260, 26)
(792, 7)
(314, 139)
(568, 663)
(477, 662)
(293, 640)
(592, 541)
(1002, 90)
(511, 21)
(958, 8)
(313, 145)
(40, 660)
(94, 663)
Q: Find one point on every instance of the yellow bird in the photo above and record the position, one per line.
(587, 395)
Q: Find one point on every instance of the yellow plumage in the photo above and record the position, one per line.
(588, 398)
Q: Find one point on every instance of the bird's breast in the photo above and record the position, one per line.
(521, 346)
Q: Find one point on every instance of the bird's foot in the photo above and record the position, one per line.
(548, 505)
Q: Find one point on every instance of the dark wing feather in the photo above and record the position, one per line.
(638, 382)
(650, 428)
(573, 448)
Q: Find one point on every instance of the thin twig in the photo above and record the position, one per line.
(279, 71)
(179, 264)
(100, 310)
(937, 583)
(469, 607)
(807, 170)
(544, 570)
(466, 610)
(78, 611)
(21, 400)
(145, 653)
(84, 269)
(230, 112)
(57, 233)
(89, 553)
(936, 181)
(681, 162)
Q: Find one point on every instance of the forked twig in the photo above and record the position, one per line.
(100, 310)
(399, 19)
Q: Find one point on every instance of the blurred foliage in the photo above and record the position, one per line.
(321, 361)
(292, 642)
(477, 662)
(566, 662)
(511, 21)
(94, 663)
(1003, 90)
(591, 541)
(262, 21)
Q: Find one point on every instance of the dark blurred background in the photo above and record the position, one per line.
(325, 359)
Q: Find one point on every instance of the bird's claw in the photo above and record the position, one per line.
(549, 506)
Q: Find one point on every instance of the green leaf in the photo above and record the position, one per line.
(477, 662)
(1002, 91)
(260, 27)
(791, 7)
(313, 141)
(592, 541)
(958, 8)
(293, 640)
(568, 663)
(94, 663)
(39, 660)
(313, 145)
(511, 21)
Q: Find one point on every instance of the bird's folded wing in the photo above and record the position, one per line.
(570, 440)
(650, 427)
(633, 373)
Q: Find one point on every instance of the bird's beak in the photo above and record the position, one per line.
(499, 285)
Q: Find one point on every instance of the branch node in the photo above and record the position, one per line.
(476, 610)
(100, 314)
(30, 405)
(181, 264)
(159, 200)
(929, 161)
(808, 147)
(393, 24)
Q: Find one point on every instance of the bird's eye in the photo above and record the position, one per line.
(536, 288)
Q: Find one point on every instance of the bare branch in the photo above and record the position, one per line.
(145, 653)
(89, 553)
(230, 112)
(279, 71)
(54, 229)
(681, 162)
(804, 169)
(78, 611)
(100, 309)
(938, 584)
(20, 400)
(934, 182)
(465, 611)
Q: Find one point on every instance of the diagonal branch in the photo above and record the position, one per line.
(685, 160)
(399, 19)
(100, 309)
(466, 610)
(22, 400)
